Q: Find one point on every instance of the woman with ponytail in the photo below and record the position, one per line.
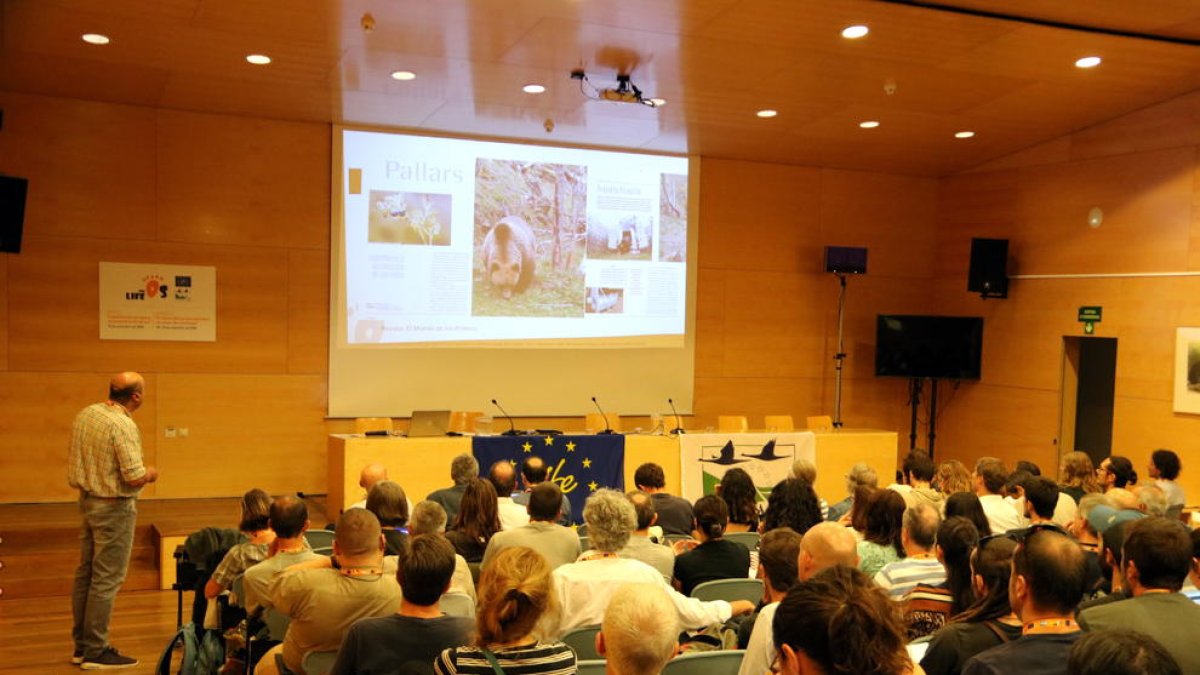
(839, 621)
(515, 593)
(714, 557)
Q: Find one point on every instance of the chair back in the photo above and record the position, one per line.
(747, 539)
(590, 667)
(819, 422)
(750, 590)
(364, 424)
(593, 422)
(319, 663)
(726, 662)
(319, 538)
(583, 641)
(732, 424)
(457, 604)
(781, 423)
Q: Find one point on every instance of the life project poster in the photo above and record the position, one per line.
(142, 301)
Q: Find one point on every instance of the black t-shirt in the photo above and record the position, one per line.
(714, 559)
(1038, 654)
(953, 645)
(674, 513)
(470, 549)
(399, 645)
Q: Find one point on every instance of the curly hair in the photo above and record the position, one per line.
(844, 623)
(1078, 471)
(794, 504)
(610, 517)
(740, 495)
(953, 477)
(477, 516)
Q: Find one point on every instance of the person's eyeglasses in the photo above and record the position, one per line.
(776, 663)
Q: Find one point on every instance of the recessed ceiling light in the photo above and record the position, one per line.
(658, 102)
(869, 124)
(964, 134)
(533, 89)
(403, 75)
(258, 59)
(95, 39)
(854, 32)
(767, 113)
(1088, 62)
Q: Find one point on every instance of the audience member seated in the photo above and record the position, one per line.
(824, 546)
(778, 557)
(1118, 651)
(534, 472)
(674, 513)
(584, 587)
(1164, 469)
(986, 623)
(714, 557)
(839, 621)
(428, 517)
(408, 641)
(1066, 506)
(1116, 472)
(1078, 476)
(503, 478)
(639, 633)
(967, 505)
(1089, 541)
(477, 520)
(1111, 587)
(741, 498)
(792, 504)
(859, 476)
(952, 477)
(323, 603)
(640, 546)
(557, 544)
(367, 478)
(918, 536)
(1014, 493)
(1120, 505)
(928, 607)
(289, 520)
(1040, 498)
(515, 592)
(254, 526)
(1155, 561)
(881, 542)
(1152, 501)
(1048, 574)
(1192, 590)
(463, 469)
(989, 478)
(918, 470)
(387, 501)
(806, 471)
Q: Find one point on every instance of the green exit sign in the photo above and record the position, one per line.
(1090, 314)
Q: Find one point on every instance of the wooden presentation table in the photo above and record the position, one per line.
(422, 465)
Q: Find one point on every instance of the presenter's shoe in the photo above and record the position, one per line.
(109, 659)
(77, 657)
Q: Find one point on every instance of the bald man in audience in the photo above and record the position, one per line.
(503, 477)
(640, 630)
(825, 545)
(533, 473)
(367, 478)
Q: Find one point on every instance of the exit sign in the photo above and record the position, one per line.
(1090, 314)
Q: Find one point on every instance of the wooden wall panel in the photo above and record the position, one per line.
(90, 166)
(244, 431)
(1142, 426)
(35, 430)
(236, 180)
(1168, 125)
(1011, 423)
(895, 217)
(308, 311)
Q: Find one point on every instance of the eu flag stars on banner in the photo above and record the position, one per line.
(580, 465)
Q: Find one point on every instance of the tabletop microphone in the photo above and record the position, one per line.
(512, 428)
(607, 428)
(678, 422)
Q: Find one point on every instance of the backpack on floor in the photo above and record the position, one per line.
(203, 654)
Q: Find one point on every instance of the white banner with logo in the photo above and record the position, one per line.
(142, 301)
(767, 457)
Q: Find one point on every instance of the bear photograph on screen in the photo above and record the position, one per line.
(672, 230)
(409, 218)
(530, 231)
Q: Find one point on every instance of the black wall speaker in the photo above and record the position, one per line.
(12, 212)
(845, 260)
(988, 274)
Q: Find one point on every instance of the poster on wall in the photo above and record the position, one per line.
(766, 457)
(1187, 370)
(145, 301)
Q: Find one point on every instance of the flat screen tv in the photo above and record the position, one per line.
(940, 347)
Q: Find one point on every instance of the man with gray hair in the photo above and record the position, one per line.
(585, 587)
(920, 566)
(463, 469)
(639, 633)
(428, 517)
(860, 475)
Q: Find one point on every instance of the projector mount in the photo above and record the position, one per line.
(625, 91)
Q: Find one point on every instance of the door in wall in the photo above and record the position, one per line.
(1088, 386)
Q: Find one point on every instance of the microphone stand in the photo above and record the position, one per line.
(678, 423)
(607, 428)
(512, 428)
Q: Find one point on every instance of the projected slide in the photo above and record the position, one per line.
(457, 241)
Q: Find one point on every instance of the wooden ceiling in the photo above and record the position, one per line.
(715, 61)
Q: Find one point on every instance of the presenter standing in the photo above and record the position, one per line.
(105, 465)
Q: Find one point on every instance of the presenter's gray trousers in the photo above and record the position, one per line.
(106, 541)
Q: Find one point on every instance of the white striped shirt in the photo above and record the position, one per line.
(900, 577)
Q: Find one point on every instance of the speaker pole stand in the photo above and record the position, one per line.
(840, 357)
(914, 403)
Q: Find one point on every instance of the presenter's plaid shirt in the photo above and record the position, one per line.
(106, 452)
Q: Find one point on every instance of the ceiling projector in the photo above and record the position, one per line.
(625, 91)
